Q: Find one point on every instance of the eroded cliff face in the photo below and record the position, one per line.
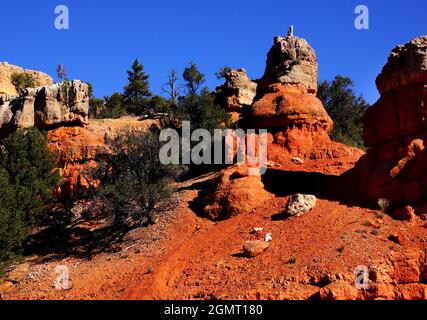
(6, 72)
(78, 146)
(395, 130)
(60, 104)
(62, 110)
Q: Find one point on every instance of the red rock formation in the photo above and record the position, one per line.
(395, 130)
(297, 124)
(296, 120)
(77, 147)
(238, 192)
(285, 105)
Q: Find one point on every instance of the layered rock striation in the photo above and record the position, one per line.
(395, 130)
(291, 60)
(60, 104)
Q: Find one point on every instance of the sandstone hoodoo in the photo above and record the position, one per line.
(395, 131)
(291, 60)
(286, 105)
(284, 102)
(297, 123)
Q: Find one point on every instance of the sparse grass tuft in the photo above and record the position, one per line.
(366, 223)
(383, 204)
(362, 231)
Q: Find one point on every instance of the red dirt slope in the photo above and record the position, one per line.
(189, 257)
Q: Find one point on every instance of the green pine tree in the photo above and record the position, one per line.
(137, 90)
(28, 177)
(345, 108)
(193, 78)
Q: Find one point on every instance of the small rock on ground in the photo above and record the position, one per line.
(254, 248)
(299, 204)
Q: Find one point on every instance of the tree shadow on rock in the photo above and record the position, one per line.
(56, 243)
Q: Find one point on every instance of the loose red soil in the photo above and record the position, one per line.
(185, 256)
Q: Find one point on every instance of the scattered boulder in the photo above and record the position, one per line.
(299, 204)
(257, 230)
(254, 248)
(237, 92)
(297, 160)
(268, 237)
(397, 238)
(406, 213)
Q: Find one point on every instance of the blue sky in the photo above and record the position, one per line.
(105, 36)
